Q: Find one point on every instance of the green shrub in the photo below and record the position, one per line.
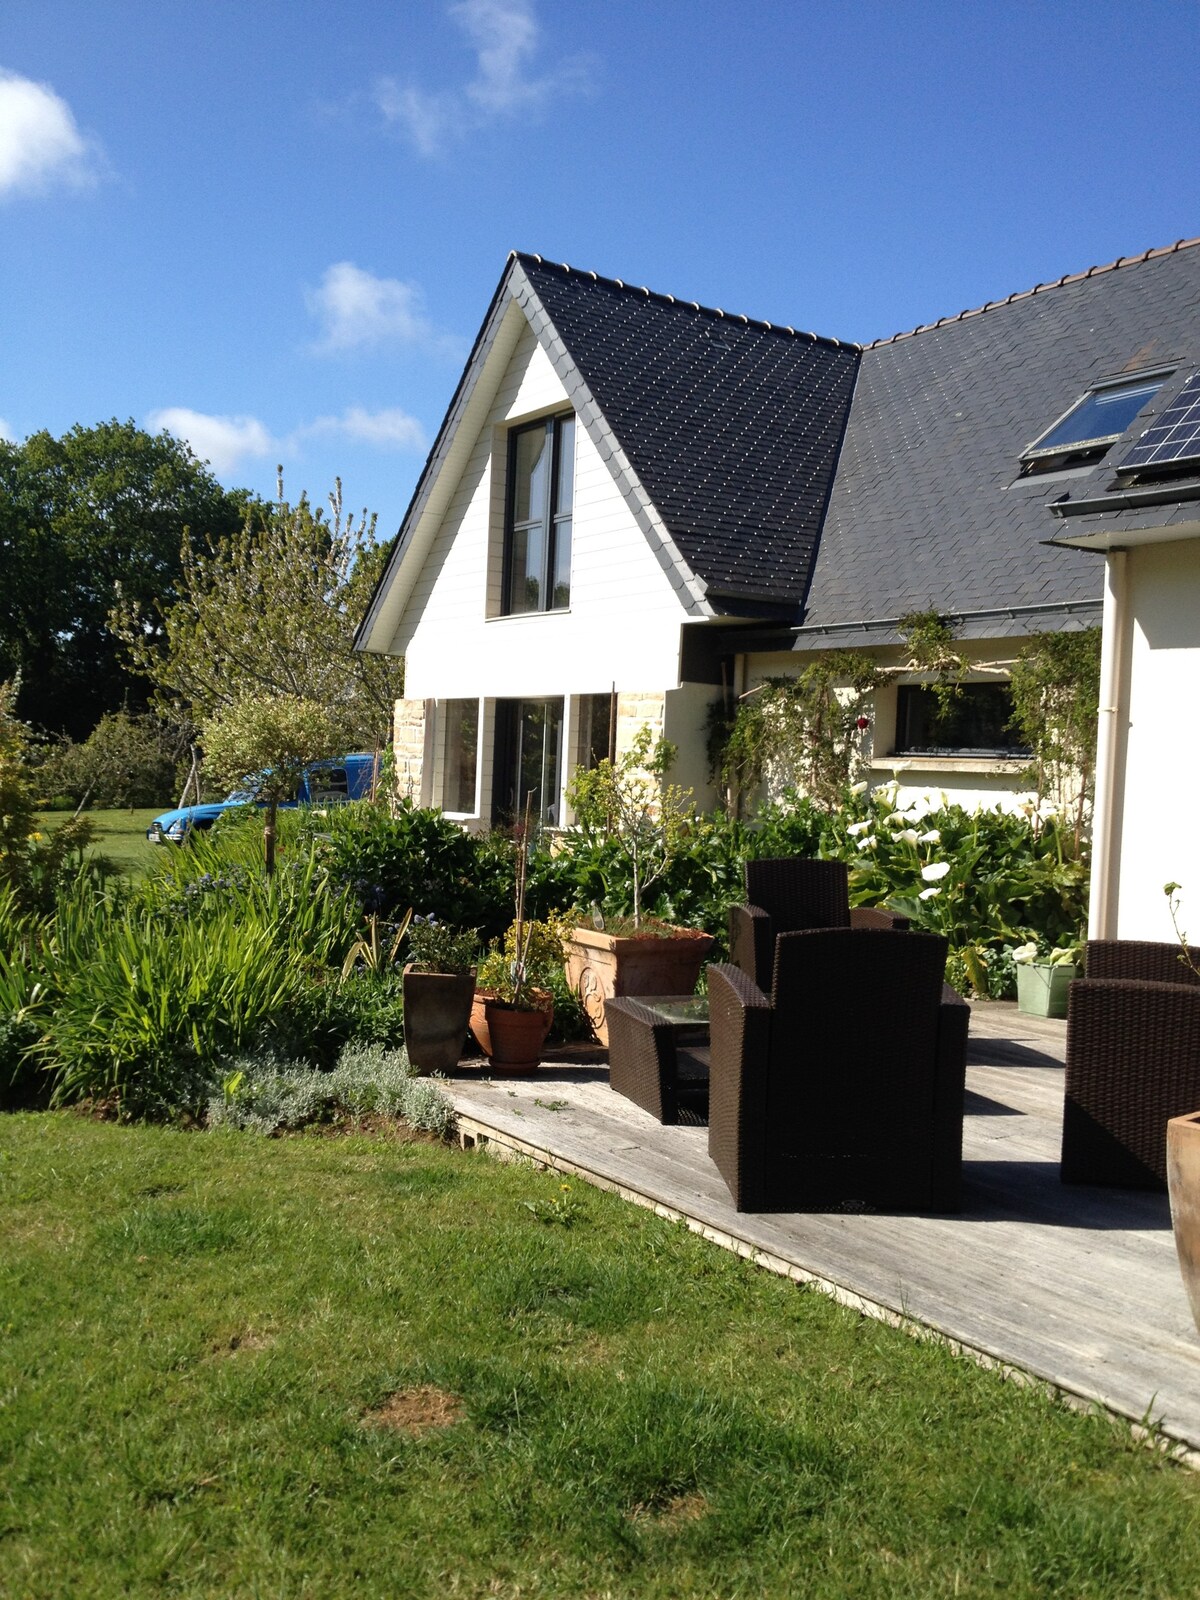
(415, 858)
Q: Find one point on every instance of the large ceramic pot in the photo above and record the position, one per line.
(512, 1039)
(437, 1011)
(1183, 1185)
(601, 965)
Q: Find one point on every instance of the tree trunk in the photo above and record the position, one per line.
(269, 837)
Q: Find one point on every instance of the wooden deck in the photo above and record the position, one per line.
(1079, 1287)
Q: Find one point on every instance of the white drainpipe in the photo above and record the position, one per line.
(1110, 750)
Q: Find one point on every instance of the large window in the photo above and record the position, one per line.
(528, 760)
(597, 714)
(460, 744)
(976, 722)
(537, 524)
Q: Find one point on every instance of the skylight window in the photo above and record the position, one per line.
(1092, 424)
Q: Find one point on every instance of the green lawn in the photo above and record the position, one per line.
(310, 1366)
(122, 834)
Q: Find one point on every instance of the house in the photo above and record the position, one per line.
(637, 505)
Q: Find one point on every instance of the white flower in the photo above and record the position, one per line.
(868, 843)
(935, 871)
(898, 819)
(909, 835)
(859, 788)
(928, 894)
(857, 828)
(932, 837)
(1025, 952)
(892, 784)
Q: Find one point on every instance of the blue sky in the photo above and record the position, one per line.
(274, 226)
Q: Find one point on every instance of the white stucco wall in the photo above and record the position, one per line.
(973, 782)
(623, 623)
(1160, 817)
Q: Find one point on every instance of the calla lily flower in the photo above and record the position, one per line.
(935, 871)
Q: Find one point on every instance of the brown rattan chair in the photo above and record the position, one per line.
(843, 1088)
(791, 894)
(1133, 1062)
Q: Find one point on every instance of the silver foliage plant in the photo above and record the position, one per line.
(267, 1093)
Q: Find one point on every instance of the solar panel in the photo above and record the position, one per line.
(1173, 436)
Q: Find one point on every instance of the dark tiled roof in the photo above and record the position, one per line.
(732, 426)
(927, 510)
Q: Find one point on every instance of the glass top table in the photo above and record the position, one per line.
(689, 1010)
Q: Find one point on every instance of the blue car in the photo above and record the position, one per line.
(325, 783)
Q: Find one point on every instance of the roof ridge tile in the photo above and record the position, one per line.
(1038, 288)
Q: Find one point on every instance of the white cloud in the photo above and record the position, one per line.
(356, 308)
(390, 429)
(40, 143)
(505, 38)
(224, 442)
(7, 431)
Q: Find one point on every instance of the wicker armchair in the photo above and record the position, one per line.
(1133, 1062)
(842, 1089)
(789, 894)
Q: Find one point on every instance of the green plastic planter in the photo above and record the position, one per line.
(1042, 989)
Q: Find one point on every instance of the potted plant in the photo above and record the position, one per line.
(1044, 978)
(439, 984)
(512, 1010)
(630, 803)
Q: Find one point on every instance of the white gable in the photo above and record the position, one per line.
(623, 625)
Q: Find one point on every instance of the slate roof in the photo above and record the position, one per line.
(927, 509)
(731, 426)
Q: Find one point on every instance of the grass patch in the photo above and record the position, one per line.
(303, 1366)
(121, 835)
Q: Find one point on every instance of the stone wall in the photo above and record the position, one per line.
(409, 738)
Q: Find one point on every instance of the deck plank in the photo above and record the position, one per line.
(1077, 1286)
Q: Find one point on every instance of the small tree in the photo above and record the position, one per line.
(270, 610)
(630, 802)
(265, 745)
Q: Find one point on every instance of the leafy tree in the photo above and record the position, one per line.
(271, 610)
(265, 744)
(100, 513)
(126, 760)
(32, 864)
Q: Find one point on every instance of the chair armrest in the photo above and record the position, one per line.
(740, 1026)
(878, 917)
(641, 1056)
(752, 943)
(1133, 1062)
(949, 1086)
(1148, 960)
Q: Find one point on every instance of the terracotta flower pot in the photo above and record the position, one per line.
(1183, 1185)
(437, 1011)
(600, 965)
(511, 1039)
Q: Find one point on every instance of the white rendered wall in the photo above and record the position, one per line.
(973, 782)
(623, 623)
(1160, 818)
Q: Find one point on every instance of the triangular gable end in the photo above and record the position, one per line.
(514, 305)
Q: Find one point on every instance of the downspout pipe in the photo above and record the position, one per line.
(1111, 742)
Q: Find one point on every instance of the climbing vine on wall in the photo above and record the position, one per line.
(1056, 702)
(803, 732)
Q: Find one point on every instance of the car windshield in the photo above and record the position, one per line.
(239, 797)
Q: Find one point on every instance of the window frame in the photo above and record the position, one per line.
(551, 522)
(959, 752)
(450, 723)
(1038, 457)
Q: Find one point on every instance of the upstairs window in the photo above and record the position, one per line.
(537, 527)
(1092, 424)
(977, 722)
